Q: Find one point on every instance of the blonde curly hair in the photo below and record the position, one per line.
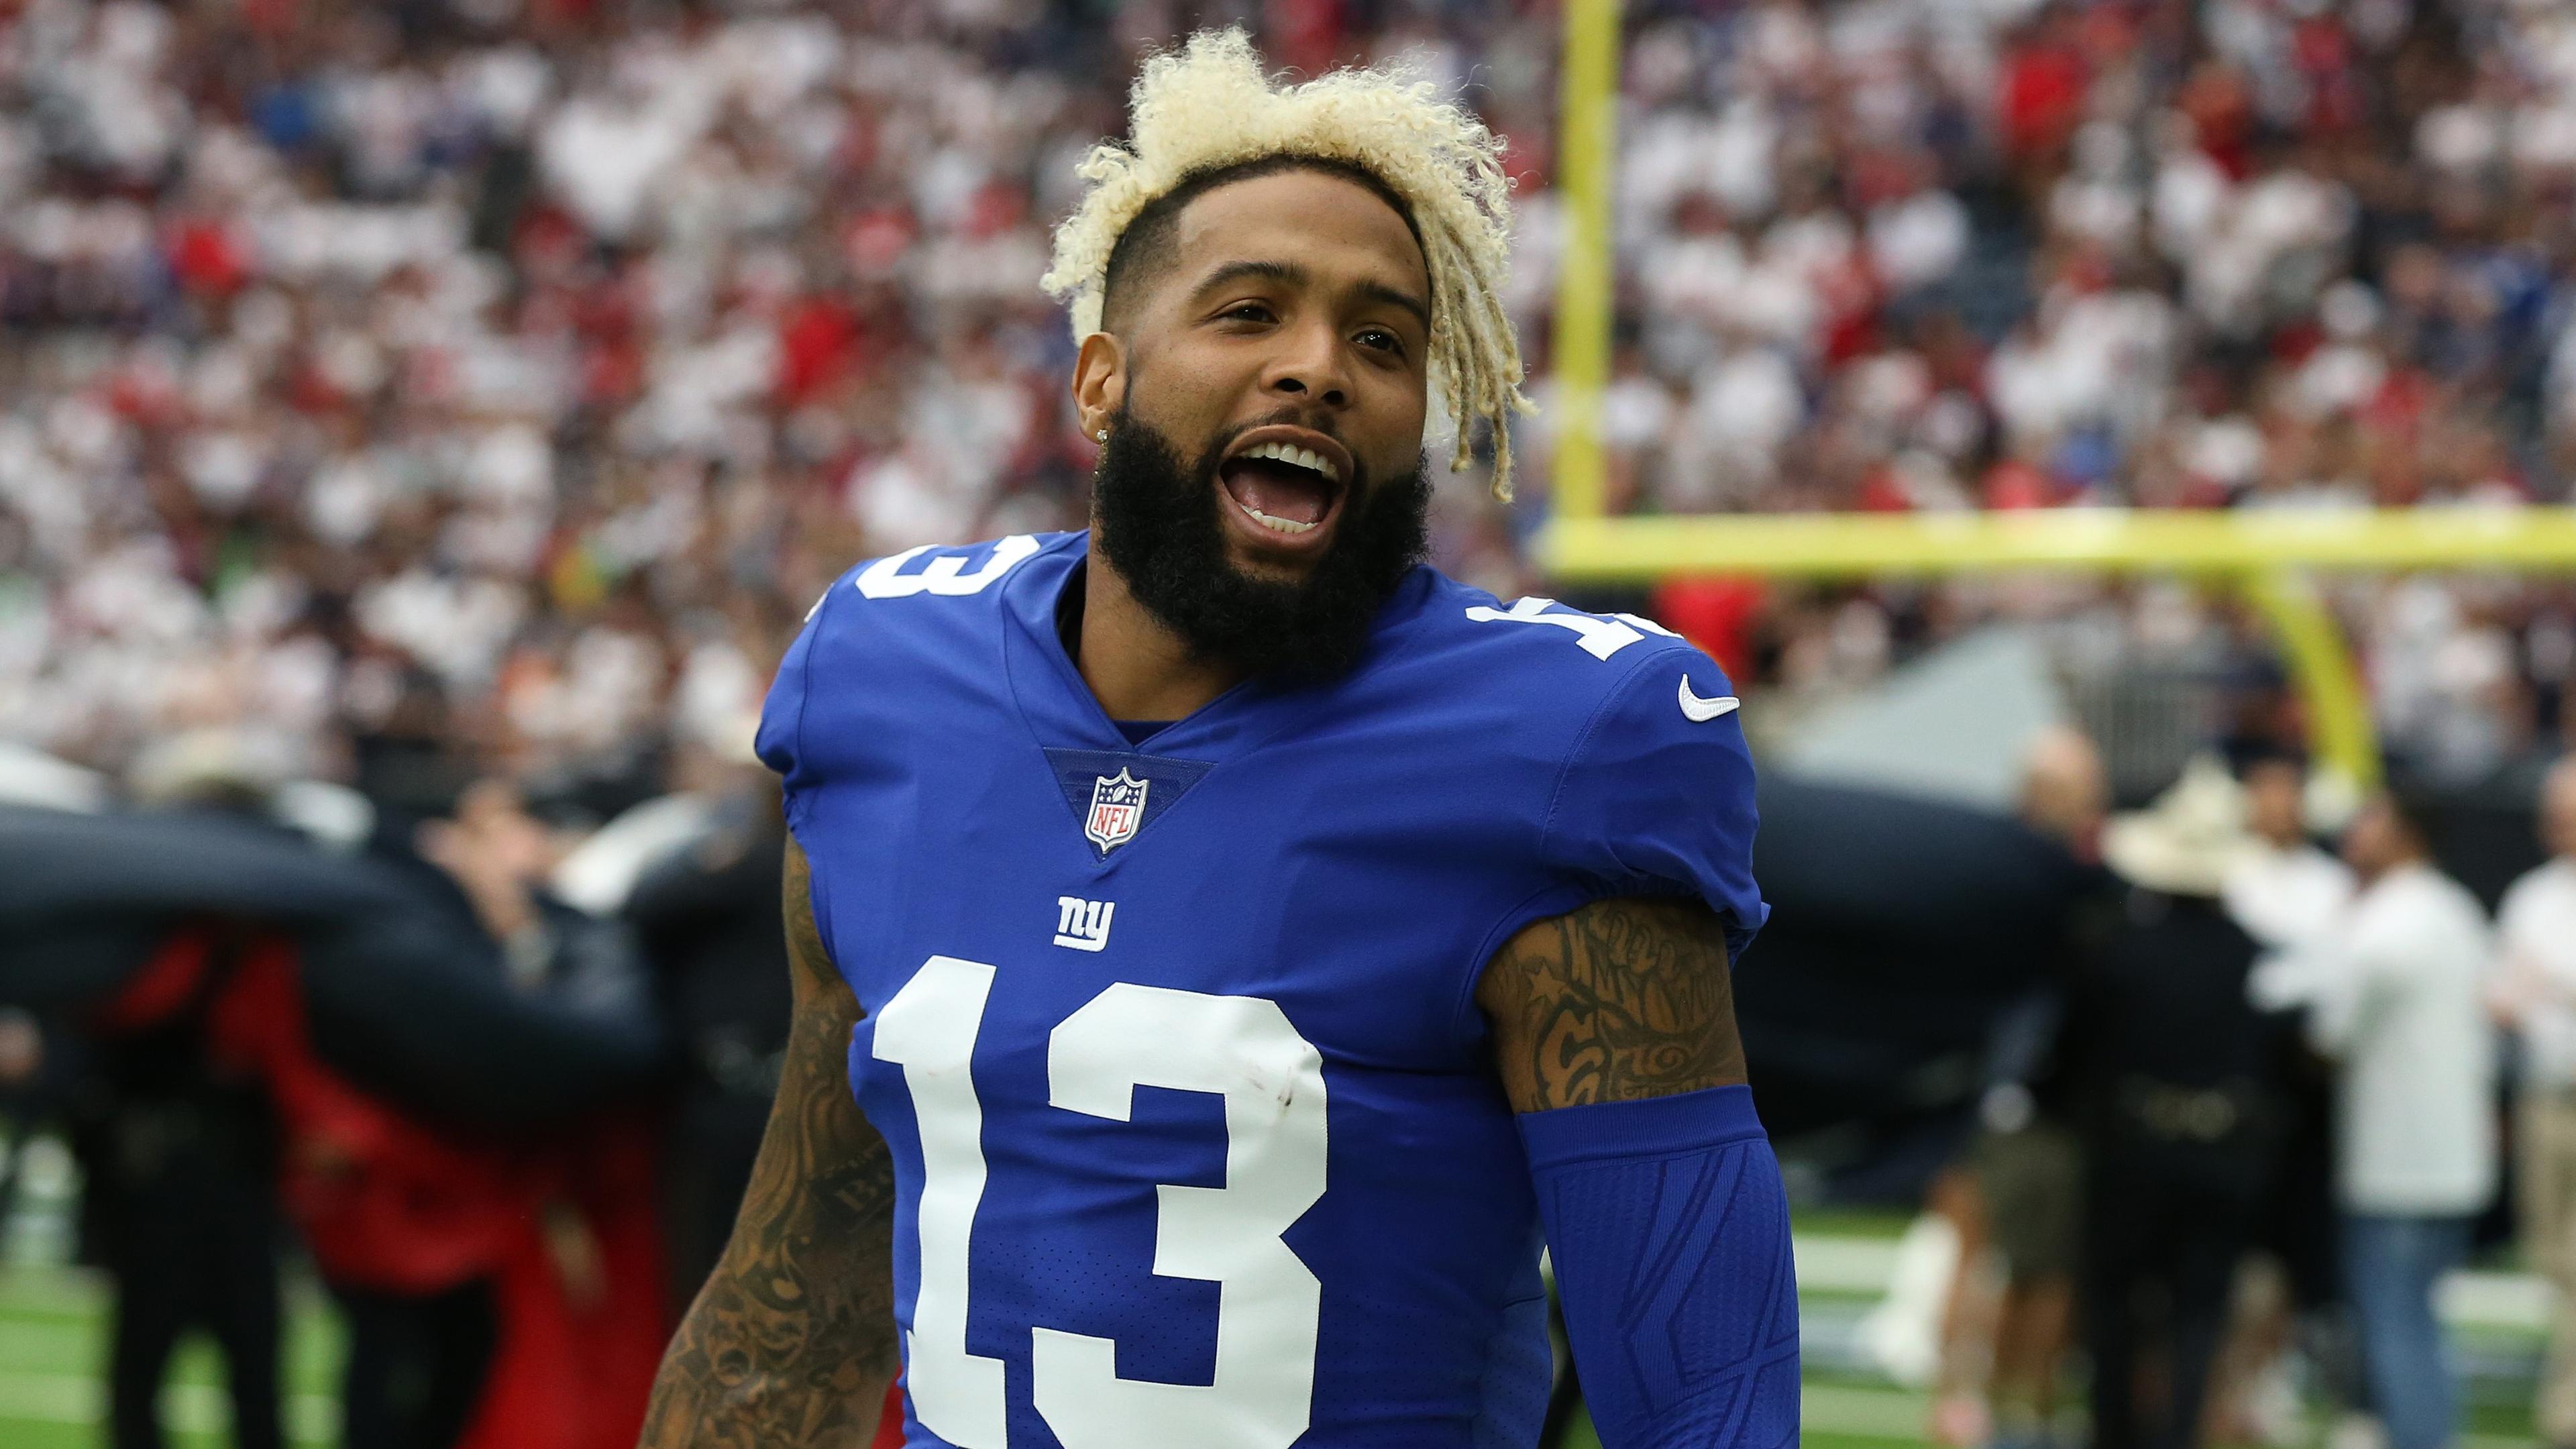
(1209, 106)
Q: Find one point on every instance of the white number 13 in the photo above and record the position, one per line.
(1272, 1079)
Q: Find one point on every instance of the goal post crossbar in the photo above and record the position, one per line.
(2267, 556)
(2114, 540)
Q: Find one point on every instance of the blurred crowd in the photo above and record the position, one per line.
(514, 371)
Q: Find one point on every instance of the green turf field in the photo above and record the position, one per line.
(53, 1342)
(53, 1345)
(53, 1349)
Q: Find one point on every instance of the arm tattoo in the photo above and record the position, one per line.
(806, 953)
(1622, 999)
(792, 1342)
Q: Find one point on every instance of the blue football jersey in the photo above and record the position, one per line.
(1174, 1044)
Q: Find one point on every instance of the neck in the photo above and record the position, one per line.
(1136, 667)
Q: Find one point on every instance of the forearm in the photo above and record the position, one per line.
(1670, 1233)
(791, 1343)
(782, 1349)
(1615, 1040)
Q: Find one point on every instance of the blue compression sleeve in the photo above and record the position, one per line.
(1670, 1233)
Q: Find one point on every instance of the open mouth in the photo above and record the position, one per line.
(1286, 489)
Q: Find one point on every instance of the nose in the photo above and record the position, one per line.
(1311, 368)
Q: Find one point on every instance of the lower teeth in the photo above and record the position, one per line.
(1278, 525)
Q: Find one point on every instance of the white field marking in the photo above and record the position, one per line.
(2496, 1300)
(1843, 1264)
(1900, 1417)
(1838, 1264)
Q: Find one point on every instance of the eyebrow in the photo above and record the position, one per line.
(1295, 274)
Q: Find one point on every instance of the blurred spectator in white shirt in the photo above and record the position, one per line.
(2399, 1003)
(2536, 995)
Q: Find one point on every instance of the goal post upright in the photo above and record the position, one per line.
(2337, 705)
(1579, 339)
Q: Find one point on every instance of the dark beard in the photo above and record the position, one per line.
(1159, 527)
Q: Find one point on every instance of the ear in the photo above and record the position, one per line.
(1099, 381)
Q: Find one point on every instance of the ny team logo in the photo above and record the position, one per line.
(1117, 808)
(1083, 925)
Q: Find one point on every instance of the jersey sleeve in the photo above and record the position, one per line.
(780, 740)
(1657, 796)
(780, 744)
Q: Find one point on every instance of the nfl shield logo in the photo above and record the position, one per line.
(1117, 808)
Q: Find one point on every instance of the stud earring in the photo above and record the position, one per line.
(1102, 435)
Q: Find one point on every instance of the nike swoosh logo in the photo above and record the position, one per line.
(1706, 709)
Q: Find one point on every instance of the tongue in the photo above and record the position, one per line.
(1263, 486)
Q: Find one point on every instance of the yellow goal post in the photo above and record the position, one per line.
(2269, 557)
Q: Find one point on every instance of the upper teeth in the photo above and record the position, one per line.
(1298, 457)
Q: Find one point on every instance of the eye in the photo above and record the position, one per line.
(1249, 312)
(1378, 339)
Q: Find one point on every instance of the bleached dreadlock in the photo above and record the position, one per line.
(1208, 106)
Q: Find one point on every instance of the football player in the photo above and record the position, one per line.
(1224, 945)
